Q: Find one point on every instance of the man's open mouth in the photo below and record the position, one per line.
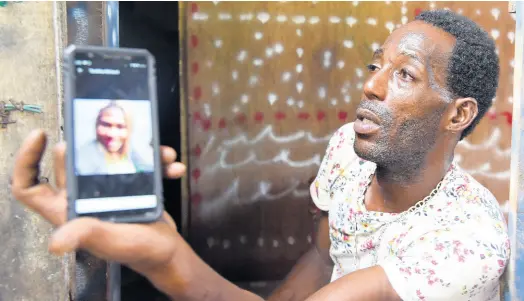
(367, 117)
(367, 122)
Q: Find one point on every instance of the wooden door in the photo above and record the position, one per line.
(267, 83)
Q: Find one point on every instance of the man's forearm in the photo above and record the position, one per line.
(189, 278)
(370, 284)
(311, 273)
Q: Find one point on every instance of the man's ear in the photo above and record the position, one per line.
(461, 114)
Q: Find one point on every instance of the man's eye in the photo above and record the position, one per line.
(372, 67)
(404, 74)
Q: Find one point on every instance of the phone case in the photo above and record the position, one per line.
(69, 83)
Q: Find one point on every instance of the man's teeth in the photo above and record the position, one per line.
(365, 120)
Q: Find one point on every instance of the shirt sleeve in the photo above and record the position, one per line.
(446, 265)
(341, 141)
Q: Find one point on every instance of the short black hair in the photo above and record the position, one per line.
(473, 69)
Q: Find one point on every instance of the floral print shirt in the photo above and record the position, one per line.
(453, 247)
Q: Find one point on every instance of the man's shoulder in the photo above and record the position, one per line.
(89, 145)
(143, 156)
(87, 158)
(475, 201)
(340, 148)
(345, 132)
(469, 188)
(86, 152)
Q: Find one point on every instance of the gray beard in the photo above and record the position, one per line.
(402, 158)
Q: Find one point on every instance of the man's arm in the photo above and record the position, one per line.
(312, 271)
(310, 277)
(155, 250)
(189, 278)
(464, 263)
(369, 284)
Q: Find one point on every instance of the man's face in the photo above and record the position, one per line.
(404, 98)
(112, 130)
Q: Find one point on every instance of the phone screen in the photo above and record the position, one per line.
(114, 156)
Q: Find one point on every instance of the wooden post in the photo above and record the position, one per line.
(88, 25)
(184, 150)
(31, 43)
(112, 39)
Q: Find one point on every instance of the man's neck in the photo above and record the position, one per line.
(112, 156)
(395, 190)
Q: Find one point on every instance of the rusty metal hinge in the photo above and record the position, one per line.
(7, 108)
(4, 115)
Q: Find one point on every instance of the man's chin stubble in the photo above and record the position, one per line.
(392, 163)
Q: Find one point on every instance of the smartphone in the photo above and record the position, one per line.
(114, 168)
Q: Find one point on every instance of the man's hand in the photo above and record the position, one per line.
(142, 247)
(154, 250)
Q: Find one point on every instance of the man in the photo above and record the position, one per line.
(405, 223)
(112, 153)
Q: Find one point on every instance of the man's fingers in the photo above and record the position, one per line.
(27, 162)
(59, 153)
(175, 170)
(67, 238)
(85, 232)
(172, 169)
(125, 243)
(168, 154)
(46, 201)
(42, 198)
(169, 220)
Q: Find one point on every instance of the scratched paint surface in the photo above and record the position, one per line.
(267, 85)
(515, 273)
(28, 63)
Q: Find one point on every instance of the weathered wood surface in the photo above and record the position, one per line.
(29, 33)
(84, 27)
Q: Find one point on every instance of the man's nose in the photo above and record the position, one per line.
(376, 86)
(113, 131)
